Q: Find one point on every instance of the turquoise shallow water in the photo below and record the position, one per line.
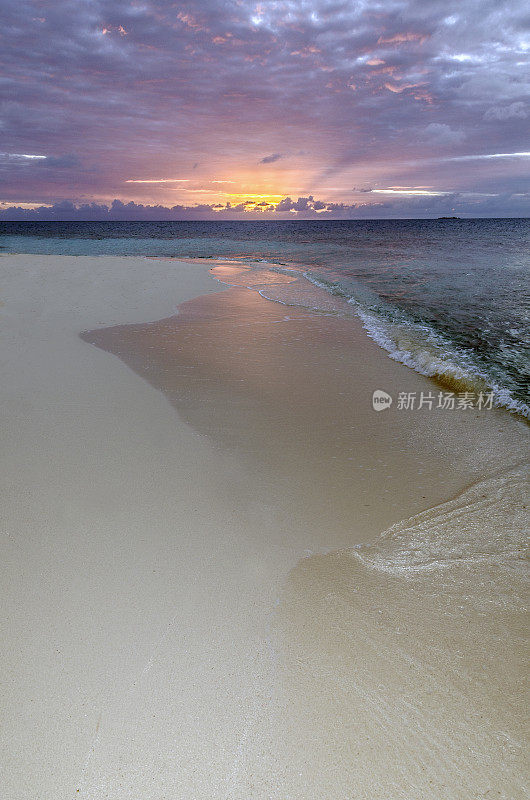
(446, 297)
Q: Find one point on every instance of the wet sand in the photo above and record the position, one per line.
(201, 619)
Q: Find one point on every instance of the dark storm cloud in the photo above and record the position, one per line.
(271, 159)
(151, 89)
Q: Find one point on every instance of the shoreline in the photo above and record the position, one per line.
(224, 497)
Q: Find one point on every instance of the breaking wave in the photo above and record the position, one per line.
(420, 346)
(411, 341)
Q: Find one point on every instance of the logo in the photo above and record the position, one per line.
(381, 400)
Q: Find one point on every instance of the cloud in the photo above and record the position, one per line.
(440, 133)
(271, 159)
(410, 192)
(397, 204)
(61, 162)
(202, 83)
(517, 110)
(157, 180)
(21, 157)
(489, 156)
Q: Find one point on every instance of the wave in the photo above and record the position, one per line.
(415, 343)
(484, 524)
(419, 346)
(418, 644)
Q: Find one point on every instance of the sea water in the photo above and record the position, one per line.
(447, 297)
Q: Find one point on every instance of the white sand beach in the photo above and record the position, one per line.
(184, 615)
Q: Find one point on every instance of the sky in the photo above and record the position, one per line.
(280, 109)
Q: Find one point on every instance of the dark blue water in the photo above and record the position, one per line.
(446, 297)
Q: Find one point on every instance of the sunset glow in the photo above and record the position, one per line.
(220, 108)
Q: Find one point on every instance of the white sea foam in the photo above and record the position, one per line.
(420, 347)
(411, 342)
(487, 523)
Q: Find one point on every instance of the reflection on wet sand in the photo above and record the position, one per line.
(290, 392)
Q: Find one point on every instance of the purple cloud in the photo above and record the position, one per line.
(201, 89)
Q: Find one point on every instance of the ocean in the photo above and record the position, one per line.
(448, 297)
